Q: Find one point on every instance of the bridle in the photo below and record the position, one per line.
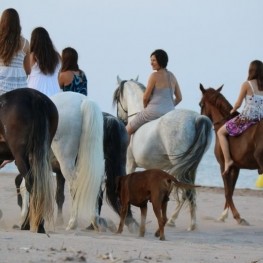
(124, 121)
(221, 120)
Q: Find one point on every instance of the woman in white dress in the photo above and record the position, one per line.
(45, 63)
(14, 53)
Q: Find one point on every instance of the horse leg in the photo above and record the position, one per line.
(24, 194)
(143, 220)
(157, 208)
(130, 163)
(18, 181)
(191, 196)
(180, 203)
(230, 179)
(123, 213)
(60, 197)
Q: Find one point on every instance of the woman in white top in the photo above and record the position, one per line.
(252, 93)
(45, 63)
(14, 53)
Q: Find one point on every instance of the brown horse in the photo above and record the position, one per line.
(28, 123)
(246, 149)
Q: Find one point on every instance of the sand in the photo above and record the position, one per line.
(212, 241)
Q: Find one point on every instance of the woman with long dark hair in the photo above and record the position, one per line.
(45, 63)
(14, 53)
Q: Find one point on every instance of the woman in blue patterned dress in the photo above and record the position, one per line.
(252, 92)
(71, 78)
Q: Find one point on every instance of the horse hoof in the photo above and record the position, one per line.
(133, 228)
(71, 225)
(111, 226)
(243, 222)
(191, 228)
(59, 222)
(100, 224)
(170, 223)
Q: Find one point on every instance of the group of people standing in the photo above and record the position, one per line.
(36, 64)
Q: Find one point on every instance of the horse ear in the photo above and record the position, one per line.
(220, 88)
(137, 78)
(119, 79)
(202, 88)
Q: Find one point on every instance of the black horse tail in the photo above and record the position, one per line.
(189, 160)
(115, 150)
(44, 125)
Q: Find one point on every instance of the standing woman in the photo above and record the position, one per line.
(71, 78)
(44, 62)
(14, 53)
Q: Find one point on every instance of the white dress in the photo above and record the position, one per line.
(13, 76)
(47, 84)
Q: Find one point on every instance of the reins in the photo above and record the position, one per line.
(119, 101)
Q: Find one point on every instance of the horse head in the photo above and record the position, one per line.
(214, 105)
(128, 98)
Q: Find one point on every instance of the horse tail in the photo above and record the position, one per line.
(189, 160)
(181, 184)
(90, 162)
(39, 151)
(115, 150)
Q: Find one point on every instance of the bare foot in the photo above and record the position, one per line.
(228, 165)
(5, 162)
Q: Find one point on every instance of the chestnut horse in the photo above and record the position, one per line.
(28, 123)
(246, 149)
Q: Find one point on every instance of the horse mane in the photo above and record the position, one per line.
(119, 91)
(217, 99)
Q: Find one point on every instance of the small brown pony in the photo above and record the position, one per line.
(152, 185)
(246, 150)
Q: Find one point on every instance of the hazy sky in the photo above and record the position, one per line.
(208, 41)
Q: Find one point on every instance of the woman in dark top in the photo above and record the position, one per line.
(71, 78)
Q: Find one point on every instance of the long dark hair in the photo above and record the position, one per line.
(10, 35)
(69, 59)
(43, 50)
(256, 72)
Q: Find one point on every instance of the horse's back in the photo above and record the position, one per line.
(247, 146)
(170, 135)
(21, 107)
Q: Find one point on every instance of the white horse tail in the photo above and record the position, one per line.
(189, 160)
(90, 162)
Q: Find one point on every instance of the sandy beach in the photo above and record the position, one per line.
(212, 241)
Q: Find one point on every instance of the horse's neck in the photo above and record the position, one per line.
(218, 119)
(134, 100)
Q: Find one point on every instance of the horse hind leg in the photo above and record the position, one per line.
(60, 198)
(180, 203)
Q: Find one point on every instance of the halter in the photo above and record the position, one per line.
(119, 101)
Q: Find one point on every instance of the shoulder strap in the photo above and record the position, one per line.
(250, 84)
(170, 85)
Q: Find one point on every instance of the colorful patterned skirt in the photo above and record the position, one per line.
(239, 124)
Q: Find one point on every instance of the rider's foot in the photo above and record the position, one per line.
(228, 165)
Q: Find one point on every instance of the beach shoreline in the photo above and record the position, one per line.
(212, 241)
